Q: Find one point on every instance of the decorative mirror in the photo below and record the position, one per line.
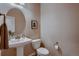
(19, 17)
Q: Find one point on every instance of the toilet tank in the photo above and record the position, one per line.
(36, 43)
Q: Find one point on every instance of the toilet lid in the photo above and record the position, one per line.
(43, 51)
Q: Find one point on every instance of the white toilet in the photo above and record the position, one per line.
(40, 50)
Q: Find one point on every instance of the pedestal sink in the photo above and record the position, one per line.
(19, 44)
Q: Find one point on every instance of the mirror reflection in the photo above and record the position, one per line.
(17, 23)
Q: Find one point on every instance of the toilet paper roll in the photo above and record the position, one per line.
(56, 47)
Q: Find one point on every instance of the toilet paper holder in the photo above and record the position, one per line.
(57, 48)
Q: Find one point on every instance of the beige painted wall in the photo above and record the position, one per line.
(35, 8)
(60, 23)
(28, 50)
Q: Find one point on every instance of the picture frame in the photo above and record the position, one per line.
(34, 24)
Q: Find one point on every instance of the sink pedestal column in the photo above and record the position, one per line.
(20, 51)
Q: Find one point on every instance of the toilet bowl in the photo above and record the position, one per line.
(39, 50)
(42, 52)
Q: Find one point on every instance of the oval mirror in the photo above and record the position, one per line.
(20, 22)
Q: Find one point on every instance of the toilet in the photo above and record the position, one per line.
(39, 50)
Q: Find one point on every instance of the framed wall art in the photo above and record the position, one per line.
(34, 24)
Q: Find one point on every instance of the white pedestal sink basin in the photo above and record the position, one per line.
(19, 44)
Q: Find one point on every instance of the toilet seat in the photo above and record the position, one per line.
(42, 52)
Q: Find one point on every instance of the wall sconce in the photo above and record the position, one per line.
(34, 24)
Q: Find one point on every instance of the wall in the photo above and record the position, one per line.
(60, 23)
(8, 52)
(28, 50)
(35, 8)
